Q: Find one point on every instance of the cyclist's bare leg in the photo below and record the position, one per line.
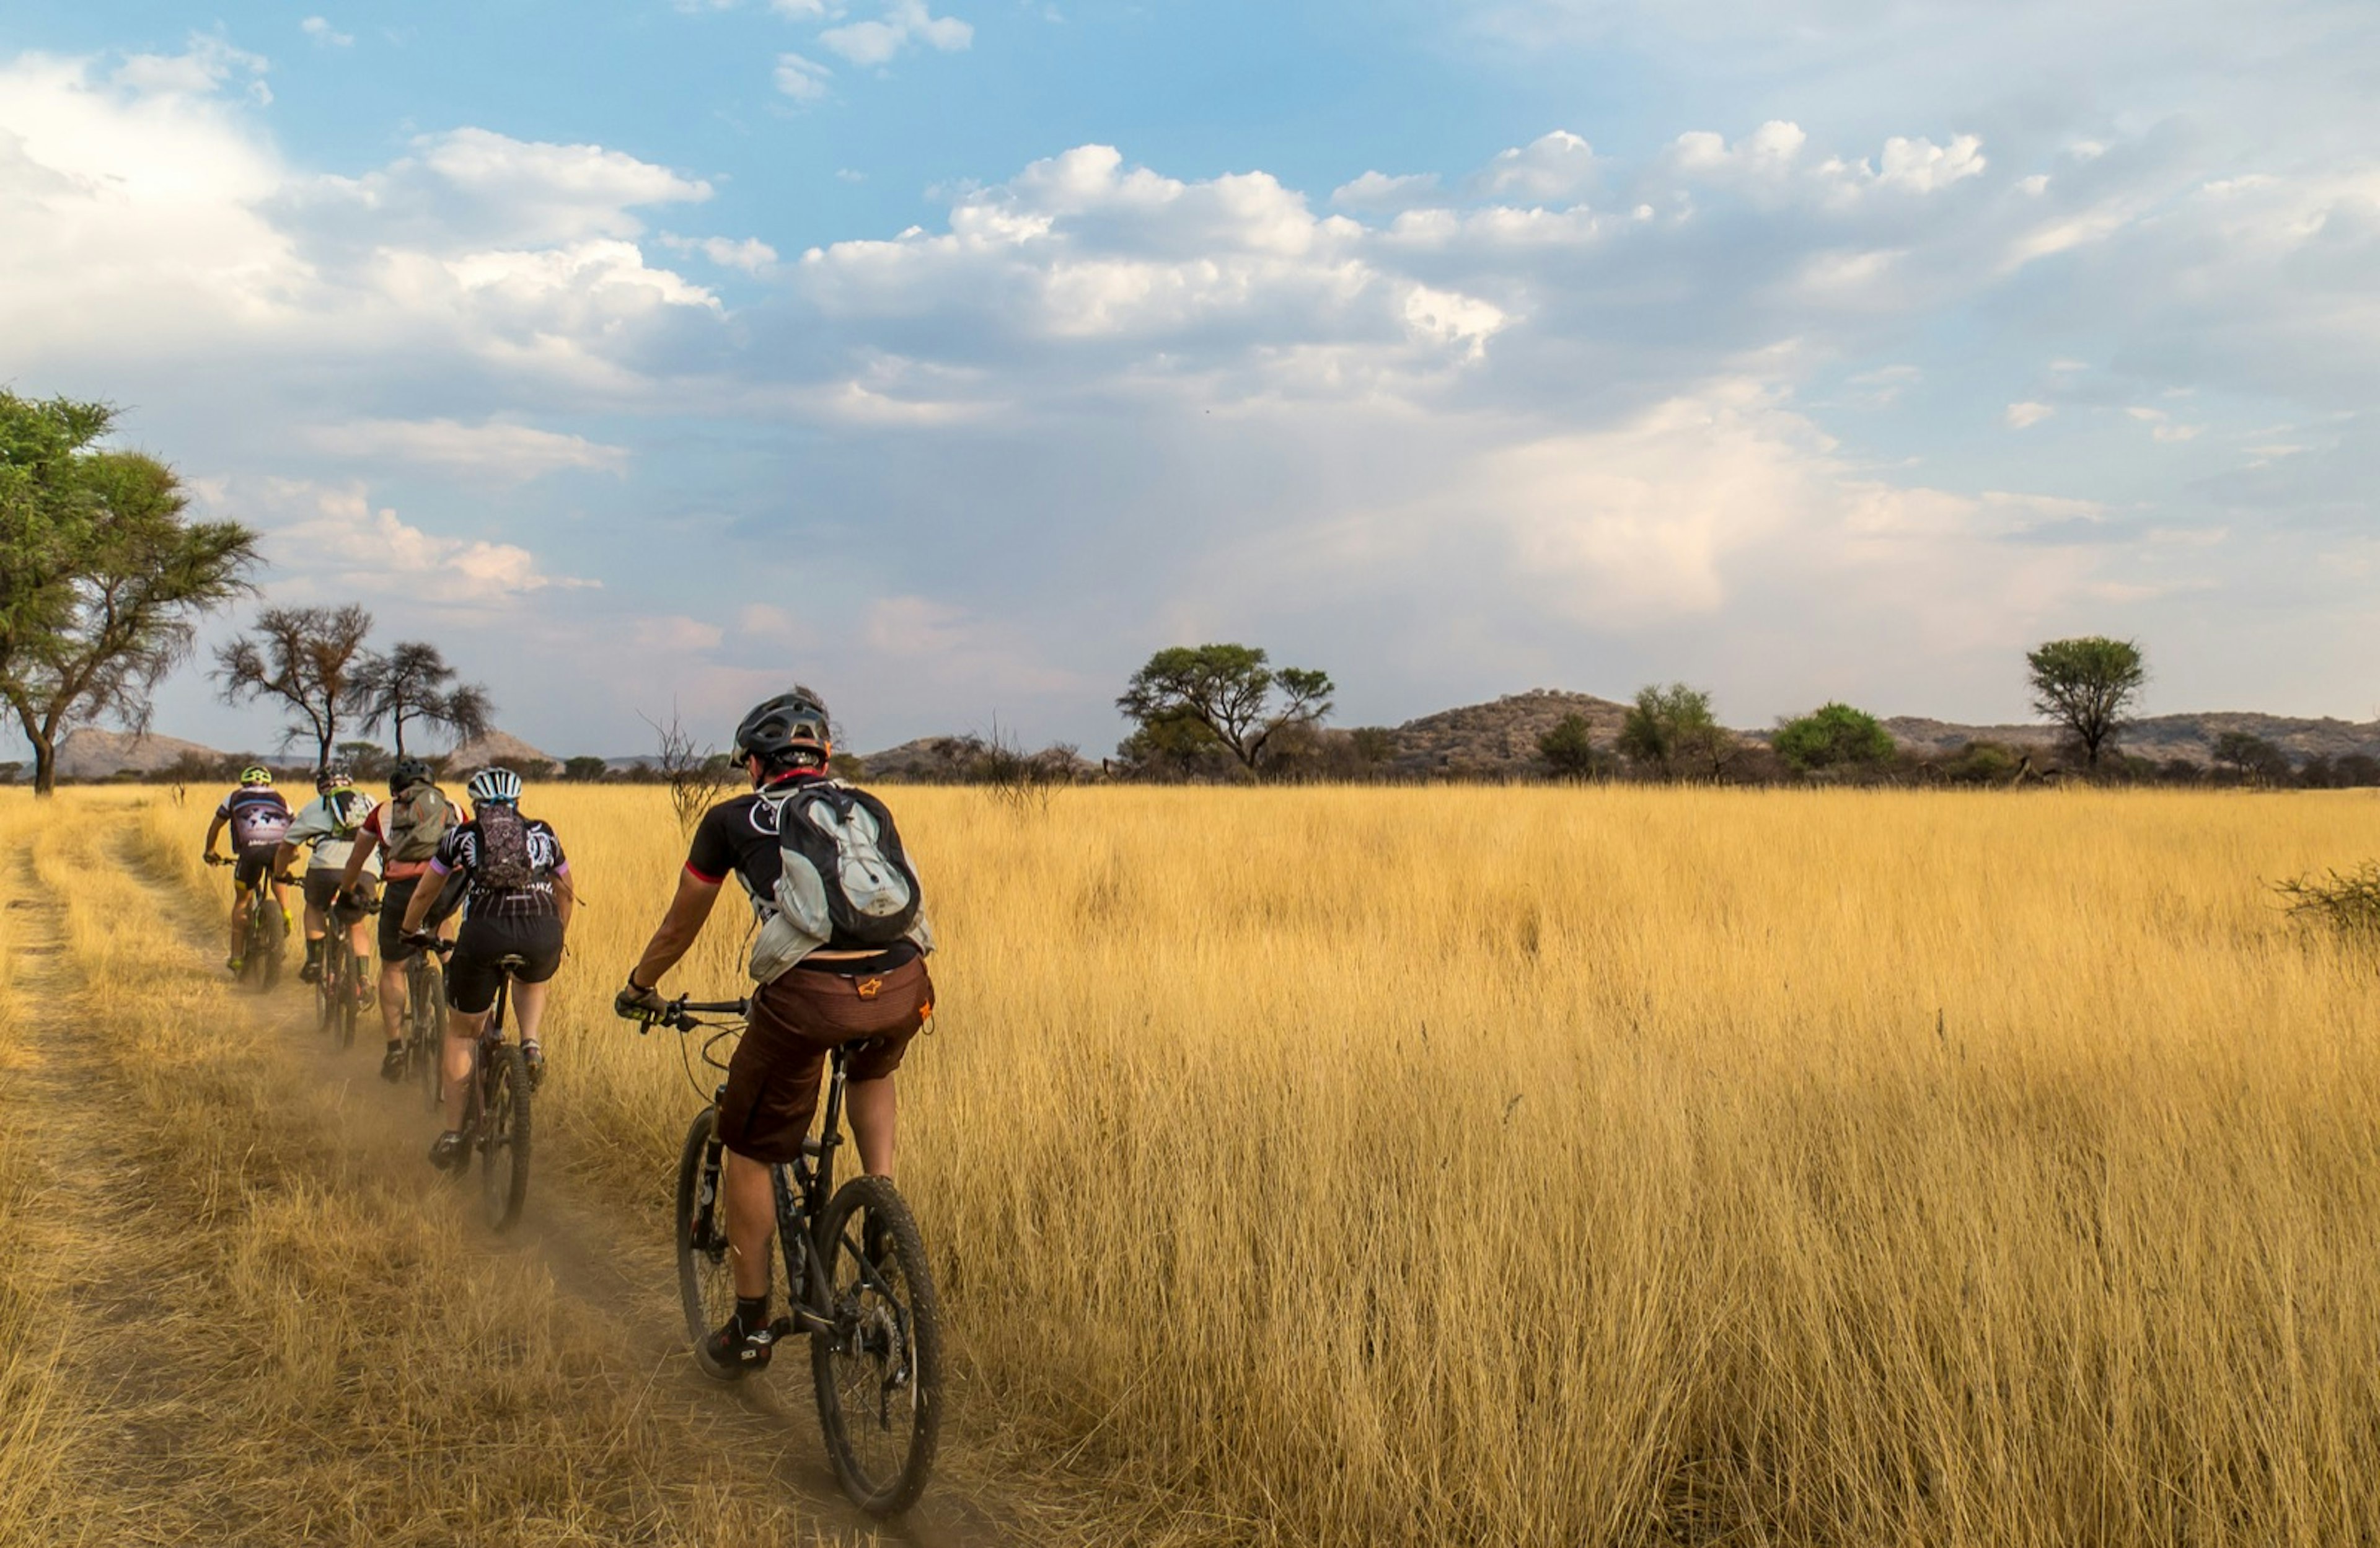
(751, 1221)
(359, 941)
(239, 920)
(874, 1113)
(392, 999)
(316, 925)
(529, 1000)
(462, 1032)
(281, 898)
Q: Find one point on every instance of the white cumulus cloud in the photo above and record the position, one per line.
(881, 38)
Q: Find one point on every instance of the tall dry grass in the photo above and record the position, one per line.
(1617, 1166)
(1627, 1166)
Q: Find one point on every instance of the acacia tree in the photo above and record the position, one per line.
(412, 681)
(102, 580)
(2088, 686)
(303, 658)
(1228, 691)
(1672, 731)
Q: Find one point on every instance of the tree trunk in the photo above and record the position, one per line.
(45, 762)
(397, 720)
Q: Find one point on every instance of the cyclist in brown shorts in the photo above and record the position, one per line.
(816, 991)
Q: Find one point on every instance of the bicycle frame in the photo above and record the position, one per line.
(801, 1188)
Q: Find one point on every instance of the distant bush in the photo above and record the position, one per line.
(586, 770)
(1570, 751)
(2253, 759)
(1983, 763)
(1834, 736)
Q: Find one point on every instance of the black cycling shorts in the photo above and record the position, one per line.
(397, 896)
(323, 886)
(253, 865)
(471, 971)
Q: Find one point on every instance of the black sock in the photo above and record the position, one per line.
(751, 1312)
(394, 1044)
(313, 951)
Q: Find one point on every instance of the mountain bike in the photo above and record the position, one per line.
(339, 992)
(268, 930)
(859, 1285)
(425, 1022)
(495, 1103)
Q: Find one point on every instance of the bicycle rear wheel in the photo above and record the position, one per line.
(273, 931)
(350, 999)
(326, 989)
(503, 1135)
(706, 1284)
(878, 1371)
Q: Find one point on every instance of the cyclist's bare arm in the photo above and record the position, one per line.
(425, 897)
(565, 897)
(675, 934)
(283, 857)
(366, 845)
(214, 831)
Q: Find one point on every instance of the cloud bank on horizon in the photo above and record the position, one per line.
(1884, 340)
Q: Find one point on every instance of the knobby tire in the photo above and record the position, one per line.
(878, 1371)
(706, 1282)
(426, 1008)
(503, 1136)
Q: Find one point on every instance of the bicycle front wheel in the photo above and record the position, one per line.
(879, 1369)
(504, 1137)
(429, 1030)
(705, 1283)
(351, 995)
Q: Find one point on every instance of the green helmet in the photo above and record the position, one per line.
(255, 774)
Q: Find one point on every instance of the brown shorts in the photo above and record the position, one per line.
(772, 1082)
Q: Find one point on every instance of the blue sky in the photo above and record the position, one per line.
(954, 357)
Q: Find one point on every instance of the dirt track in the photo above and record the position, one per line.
(280, 1325)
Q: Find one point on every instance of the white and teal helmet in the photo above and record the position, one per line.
(491, 787)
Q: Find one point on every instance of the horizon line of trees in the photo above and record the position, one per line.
(103, 578)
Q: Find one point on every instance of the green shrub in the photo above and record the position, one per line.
(1833, 736)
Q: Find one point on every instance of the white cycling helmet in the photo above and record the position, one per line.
(491, 786)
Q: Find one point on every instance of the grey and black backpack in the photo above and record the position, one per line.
(504, 861)
(846, 876)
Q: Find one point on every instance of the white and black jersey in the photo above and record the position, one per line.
(459, 851)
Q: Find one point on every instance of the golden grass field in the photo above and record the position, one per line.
(1555, 1166)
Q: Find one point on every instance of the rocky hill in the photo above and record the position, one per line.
(90, 752)
(1496, 739)
(501, 747)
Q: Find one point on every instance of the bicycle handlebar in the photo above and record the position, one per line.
(679, 1014)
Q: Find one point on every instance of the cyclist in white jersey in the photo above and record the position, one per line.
(329, 823)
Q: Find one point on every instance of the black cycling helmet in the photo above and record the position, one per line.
(778, 730)
(408, 773)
